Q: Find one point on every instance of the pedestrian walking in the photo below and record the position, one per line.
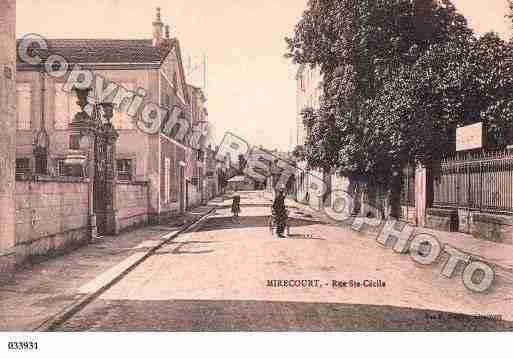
(280, 212)
(236, 206)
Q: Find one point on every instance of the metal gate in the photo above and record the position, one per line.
(408, 187)
(100, 184)
(104, 177)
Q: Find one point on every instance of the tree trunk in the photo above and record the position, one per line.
(395, 197)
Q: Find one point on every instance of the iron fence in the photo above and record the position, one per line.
(408, 187)
(482, 181)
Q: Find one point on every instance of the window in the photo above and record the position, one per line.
(41, 162)
(124, 169)
(22, 165)
(65, 107)
(60, 167)
(195, 177)
(74, 142)
(167, 184)
(24, 105)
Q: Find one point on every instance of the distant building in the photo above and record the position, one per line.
(196, 166)
(209, 186)
(241, 183)
(308, 95)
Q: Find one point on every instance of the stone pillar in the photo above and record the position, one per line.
(111, 211)
(7, 134)
(109, 181)
(91, 167)
(420, 196)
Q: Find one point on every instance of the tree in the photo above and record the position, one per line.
(394, 88)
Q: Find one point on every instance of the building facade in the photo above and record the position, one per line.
(149, 68)
(241, 183)
(308, 95)
(7, 134)
(197, 164)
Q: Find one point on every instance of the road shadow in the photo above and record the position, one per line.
(179, 249)
(222, 223)
(305, 236)
(272, 316)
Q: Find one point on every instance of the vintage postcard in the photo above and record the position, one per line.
(255, 166)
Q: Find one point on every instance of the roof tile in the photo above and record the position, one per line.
(85, 51)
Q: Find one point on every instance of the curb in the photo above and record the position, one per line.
(49, 324)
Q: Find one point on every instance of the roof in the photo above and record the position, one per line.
(107, 51)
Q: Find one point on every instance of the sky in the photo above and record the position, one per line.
(251, 88)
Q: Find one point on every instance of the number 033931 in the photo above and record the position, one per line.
(22, 346)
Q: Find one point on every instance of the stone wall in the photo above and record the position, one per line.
(442, 219)
(51, 216)
(132, 203)
(492, 227)
(409, 214)
(487, 226)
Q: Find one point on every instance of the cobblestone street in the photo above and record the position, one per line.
(217, 278)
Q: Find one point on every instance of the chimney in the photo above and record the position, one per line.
(167, 31)
(157, 29)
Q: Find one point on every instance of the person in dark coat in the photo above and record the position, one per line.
(280, 212)
(236, 206)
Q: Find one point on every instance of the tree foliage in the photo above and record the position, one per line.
(398, 77)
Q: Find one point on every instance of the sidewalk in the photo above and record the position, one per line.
(40, 293)
(500, 255)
